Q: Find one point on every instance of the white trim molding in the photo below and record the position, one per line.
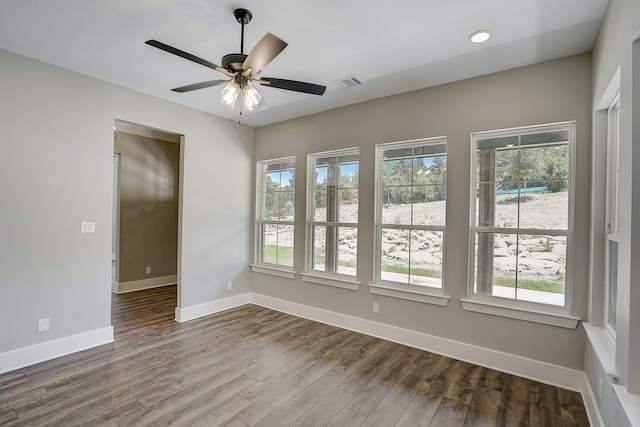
(138, 285)
(543, 317)
(416, 294)
(333, 280)
(189, 313)
(21, 357)
(273, 271)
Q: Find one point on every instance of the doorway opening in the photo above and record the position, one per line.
(147, 202)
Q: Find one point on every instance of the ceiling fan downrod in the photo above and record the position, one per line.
(243, 16)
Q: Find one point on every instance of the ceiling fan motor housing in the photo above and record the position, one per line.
(233, 61)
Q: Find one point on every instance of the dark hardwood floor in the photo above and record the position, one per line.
(258, 367)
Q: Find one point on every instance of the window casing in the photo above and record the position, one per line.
(521, 216)
(612, 198)
(411, 211)
(275, 212)
(332, 213)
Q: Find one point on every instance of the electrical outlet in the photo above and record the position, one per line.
(229, 286)
(148, 270)
(376, 307)
(43, 325)
(87, 227)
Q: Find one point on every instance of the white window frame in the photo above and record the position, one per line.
(260, 266)
(340, 280)
(612, 205)
(421, 293)
(524, 310)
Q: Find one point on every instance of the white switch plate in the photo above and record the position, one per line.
(376, 307)
(229, 286)
(148, 270)
(87, 227)
(43, 325)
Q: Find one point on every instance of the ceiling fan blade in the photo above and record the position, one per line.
(202, 85)
(267, 48)
(293, 85)
(186, 55)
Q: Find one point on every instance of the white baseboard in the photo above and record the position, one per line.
(138, 285)
(528, 368)
(200, 310)
(31, 355)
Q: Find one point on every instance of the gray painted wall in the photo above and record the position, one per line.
(149, 184)
(615, 48)
(543, 93)
(57, 171)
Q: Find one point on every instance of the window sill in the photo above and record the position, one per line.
(604, 346)
(630, 402)
(402, 292)
(273, 271)
(546, 318)
(335, 281)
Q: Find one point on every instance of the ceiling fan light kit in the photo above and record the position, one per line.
(243, 70)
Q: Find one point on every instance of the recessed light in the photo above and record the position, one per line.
(480, 36)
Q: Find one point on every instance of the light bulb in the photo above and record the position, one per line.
(250, 98)
(229, 95)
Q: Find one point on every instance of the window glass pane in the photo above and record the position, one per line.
(397, 172)
(277, 244)
(285, 245)
(347, 250)
(507, 165)
(320, 204)
(429, 205)
(541, 268)
(396, 206)
(545, 210)
(612, 291)
(287, 205)
(544, 163)
(348, 205)
(349, 176)
(271, 206)
(321, 176)
(426, 253)
(394, 259)
(495, 264)
(319, 248)
(269, 243)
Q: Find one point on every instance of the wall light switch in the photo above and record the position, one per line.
(148, 270)
(43, 325)
(87, 227)
(376, 307)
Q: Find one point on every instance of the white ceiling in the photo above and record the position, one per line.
(394, 47)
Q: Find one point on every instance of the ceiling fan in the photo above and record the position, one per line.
(242, 70)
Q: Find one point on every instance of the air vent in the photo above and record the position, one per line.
(350, 81)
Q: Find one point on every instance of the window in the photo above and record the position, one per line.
(612, 198)
(411, 204)
(521, 215)
(275, 212)
(332, 223)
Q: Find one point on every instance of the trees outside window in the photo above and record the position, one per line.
(411, 205)
(275, 212)
(521, 213)
(333, 212)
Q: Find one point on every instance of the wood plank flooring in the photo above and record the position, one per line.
(252, 366)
